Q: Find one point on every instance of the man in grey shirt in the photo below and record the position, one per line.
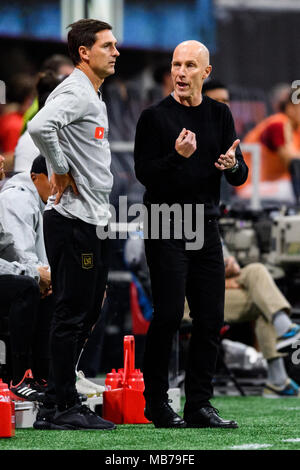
(71, 131)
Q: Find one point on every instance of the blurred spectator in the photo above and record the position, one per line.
(278, 95)
(163, 81)
(26, 151)
(216, 90)
(62, 66)
(124, 102)
(20, 93)
(59, 64)
(162, 76)
(279, 139)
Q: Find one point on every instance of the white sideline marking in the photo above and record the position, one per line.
(297, 439)
(250, 446)
(297, 408)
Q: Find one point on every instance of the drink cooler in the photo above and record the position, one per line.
(7, 412)
(123, 400)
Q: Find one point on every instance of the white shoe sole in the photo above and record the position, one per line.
(287, 342)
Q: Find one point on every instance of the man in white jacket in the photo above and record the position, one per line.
(22, 284)
(22, 203)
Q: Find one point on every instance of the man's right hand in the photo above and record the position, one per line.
(45, 280)
(59, 183)
(186, 143)
(232, 267)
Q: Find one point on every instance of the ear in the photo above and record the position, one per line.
(207, 72)
(84, 52)
(33, 176)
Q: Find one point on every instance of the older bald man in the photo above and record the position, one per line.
(183, 144)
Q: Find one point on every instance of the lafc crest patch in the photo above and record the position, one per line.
(87, 260)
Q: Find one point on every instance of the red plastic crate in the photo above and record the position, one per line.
(124, 403)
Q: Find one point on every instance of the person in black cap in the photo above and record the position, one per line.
(25, 282)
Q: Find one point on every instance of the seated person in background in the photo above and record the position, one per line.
(22, 285)
(279, 139)
(22, 203)
(251, 294)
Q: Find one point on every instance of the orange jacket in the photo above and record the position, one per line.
(272, 166)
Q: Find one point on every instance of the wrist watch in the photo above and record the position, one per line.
(234, 168)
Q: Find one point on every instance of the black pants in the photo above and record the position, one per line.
(199, 275)
(79, 268)
(29, 319)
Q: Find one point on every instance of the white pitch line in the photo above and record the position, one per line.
(250, 446)
(297, 408)
(297, 439)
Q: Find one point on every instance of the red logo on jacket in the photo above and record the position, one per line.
(99, 132)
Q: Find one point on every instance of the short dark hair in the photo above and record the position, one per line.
(47, 81)
(212, 85)
(39, 166)
(83, 33)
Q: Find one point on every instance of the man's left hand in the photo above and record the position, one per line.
(227, 161)
(59, 183)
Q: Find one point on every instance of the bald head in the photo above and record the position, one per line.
(190, 67)
(193, 48)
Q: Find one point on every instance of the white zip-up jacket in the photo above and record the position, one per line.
(71, 132)
(21, 214)
(11, 261)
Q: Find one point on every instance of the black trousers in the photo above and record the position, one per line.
(28, 318)
(199, 275)
(79, 268)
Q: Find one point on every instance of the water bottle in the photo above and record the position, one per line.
(7, 412)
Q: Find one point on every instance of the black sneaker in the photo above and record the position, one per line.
(25, 390)
(39, 385)
(44, 418)
(79, 417)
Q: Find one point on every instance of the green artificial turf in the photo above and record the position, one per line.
(261, 421)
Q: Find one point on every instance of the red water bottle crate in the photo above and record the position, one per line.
(123, 399)
(7, 412)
